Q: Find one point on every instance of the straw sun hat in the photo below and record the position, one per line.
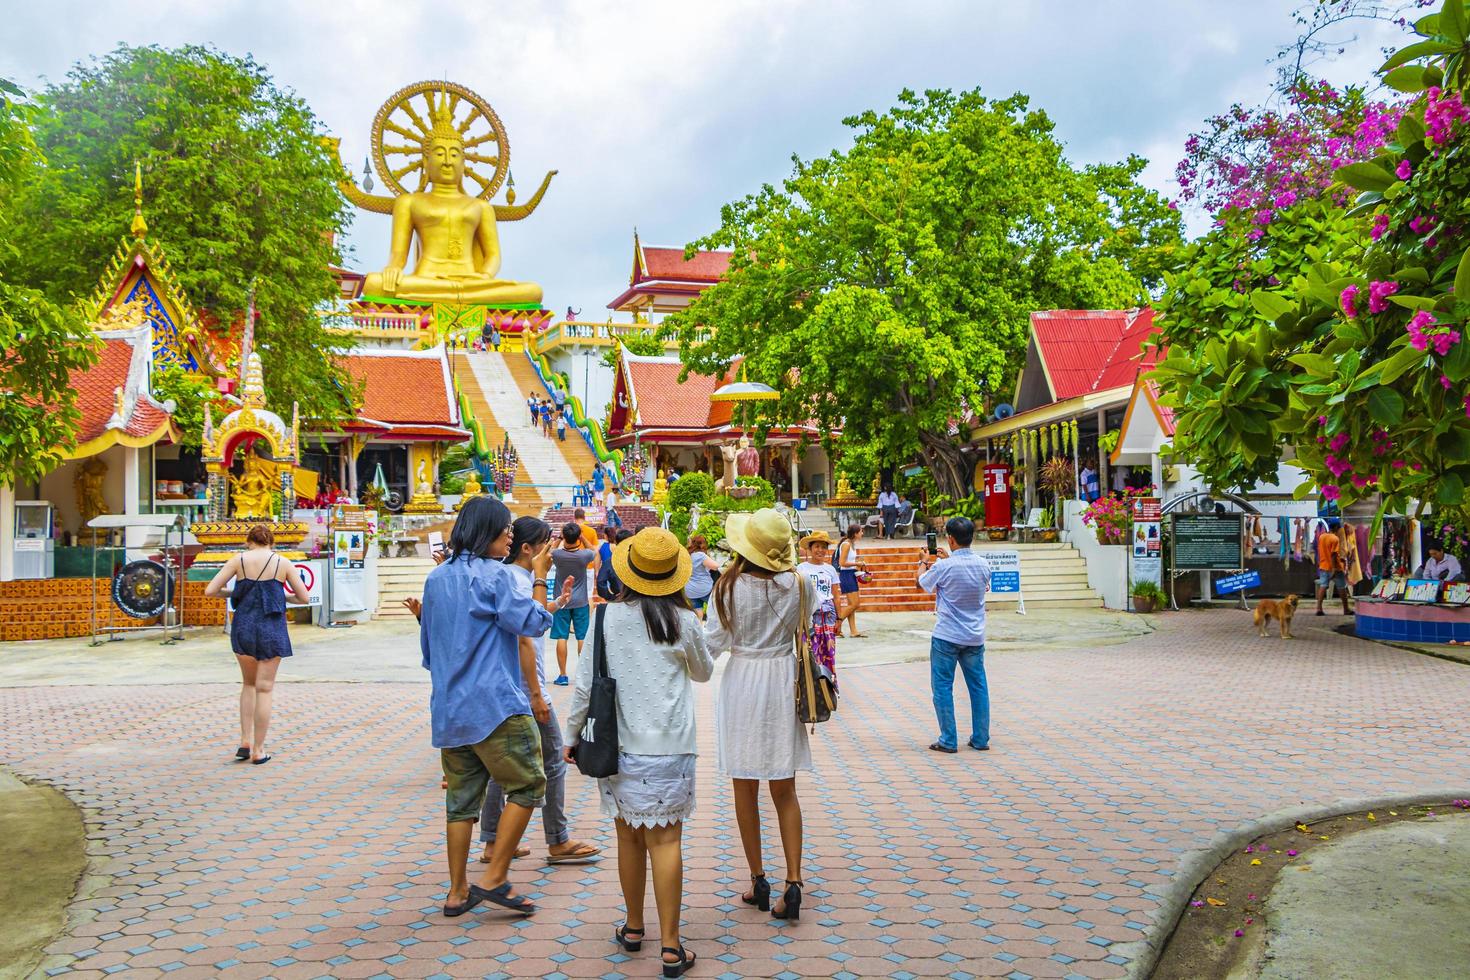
(762, 538)
(652, 562)
(816, 537)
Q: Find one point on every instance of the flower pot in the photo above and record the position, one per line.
(1142, 605)
(1048, 535)
(998, 533)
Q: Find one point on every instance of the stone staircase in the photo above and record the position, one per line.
(1052, 576)
(399, 579)
(575, 451)
(635, 517)
(497, 395)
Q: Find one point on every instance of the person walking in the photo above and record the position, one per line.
(758, 605)
(1331, 570)
(495, 338)
(561, 427)
(888, 507)
(958, 582)
(546, 413)
(534, 404)
(572, 559)
(599, 481)
(471, 617)
(701, 578)
(654, 648)
(530, 536)
(848, 568)
(823, 629)
(258, 630)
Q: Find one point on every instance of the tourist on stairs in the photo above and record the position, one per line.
(572, 560)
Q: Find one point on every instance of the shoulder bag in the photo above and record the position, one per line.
(816, 694)
(597, 750)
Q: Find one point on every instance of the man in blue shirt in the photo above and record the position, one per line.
(471, 617)
(959, 584)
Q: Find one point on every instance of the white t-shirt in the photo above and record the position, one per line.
(525, 579)
(824, 579)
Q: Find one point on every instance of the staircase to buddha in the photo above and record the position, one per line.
(1052, 576)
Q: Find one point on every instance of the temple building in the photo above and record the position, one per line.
(681, 428)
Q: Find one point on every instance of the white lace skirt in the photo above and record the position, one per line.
(650, 790)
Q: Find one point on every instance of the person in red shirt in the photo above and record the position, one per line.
(1330, 569)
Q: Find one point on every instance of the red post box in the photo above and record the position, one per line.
(997, 495)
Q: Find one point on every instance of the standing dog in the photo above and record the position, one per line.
(1279, 609)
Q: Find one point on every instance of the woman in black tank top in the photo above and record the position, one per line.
(258, 630)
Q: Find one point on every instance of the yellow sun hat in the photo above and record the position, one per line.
(762, 538)
(816, 537)
(652, 562)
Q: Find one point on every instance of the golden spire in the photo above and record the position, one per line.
(254, 394)
(442, 118)
(140, 227)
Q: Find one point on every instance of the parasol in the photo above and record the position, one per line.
(743, 391)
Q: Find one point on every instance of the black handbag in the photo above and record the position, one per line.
(597, 749)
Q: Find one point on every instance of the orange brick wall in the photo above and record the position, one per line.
(44, 609)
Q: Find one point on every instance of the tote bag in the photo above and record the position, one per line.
(597, 752)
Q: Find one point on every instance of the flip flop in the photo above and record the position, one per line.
(261, 761)
(584, 854)
(520, 853)
(242, 754)
(936, 747)
(451, 911)
(501, 896)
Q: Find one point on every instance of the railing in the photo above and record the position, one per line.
(597, 334)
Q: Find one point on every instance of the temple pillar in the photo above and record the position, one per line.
(7, 533)
(1102, 457)
(795, 476)
(132, 473)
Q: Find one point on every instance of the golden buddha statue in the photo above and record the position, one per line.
(458, 242)
(844, 489)
(472, 489)
(423, 500)
(660, 488)
(253, 491)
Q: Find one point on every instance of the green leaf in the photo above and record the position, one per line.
(1454, 445)
(1410, 131)
(1451, 489)
(1270, 305)
(1386, 406)
(1462, 278)
(1452, 21)
(1365, 176)
(1408, 78)
(1316, 364)
(1395, 366)
(1457, 365)
(1413, 52)
(1413, 302)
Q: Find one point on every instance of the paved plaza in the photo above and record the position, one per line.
(1115, 766)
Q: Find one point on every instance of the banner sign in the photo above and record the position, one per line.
(1207, 543)
(1235, 583)
(313, 576)
(1005, 572)
(1147, 540)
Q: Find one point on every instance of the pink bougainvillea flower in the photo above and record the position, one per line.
(1378, 293)
(1339, 442)
(1445, 382)
(1347, 299)
(1467, 415)
(1321, 420)
(1332, 491)
(1444, 341)
(1197, 905)
(1403, 171)
(1361, 481)
(1416, 328)
(1422, 223)
(1239, 933)
(1380, 226)
(1399, 464)
(1291, 854)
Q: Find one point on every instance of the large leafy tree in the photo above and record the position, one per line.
(885, 289)
(41, 343)
(239, 191)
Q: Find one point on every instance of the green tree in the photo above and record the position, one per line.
(645, 343)
(885, 289)
(238, 189)
(190, 393)
(42, 342)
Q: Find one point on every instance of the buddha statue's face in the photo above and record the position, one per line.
(445, 161)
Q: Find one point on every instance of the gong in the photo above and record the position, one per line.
(140, 589)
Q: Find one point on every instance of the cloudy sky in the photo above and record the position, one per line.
(656, 113)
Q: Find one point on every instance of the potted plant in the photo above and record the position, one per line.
(1147, 597)
(1056, 479)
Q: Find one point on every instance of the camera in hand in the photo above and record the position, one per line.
(931, 541)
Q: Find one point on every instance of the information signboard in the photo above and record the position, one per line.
(1235, 583)
(1147, 557)
(1207, 543)
(1005, 572)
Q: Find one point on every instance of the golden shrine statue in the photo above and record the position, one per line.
(472, 489)
(660, 489)
(846, 496)
(89, 480)
(458, 244)
(423, 500)
(252, 493)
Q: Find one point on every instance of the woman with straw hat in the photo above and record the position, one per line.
(654, 648)
(758, 602)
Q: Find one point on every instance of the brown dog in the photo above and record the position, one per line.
(1279, 609)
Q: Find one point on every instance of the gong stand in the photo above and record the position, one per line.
(171, 581)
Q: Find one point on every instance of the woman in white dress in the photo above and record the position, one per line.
(654, 647)
(757, 605)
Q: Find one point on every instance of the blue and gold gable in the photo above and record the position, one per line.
(139, 280)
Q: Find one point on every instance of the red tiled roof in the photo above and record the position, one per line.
(1084, 351)
(669, 263)
(402, 386)
(96, 387)
(665, 403)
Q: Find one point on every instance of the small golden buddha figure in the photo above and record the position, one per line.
(458, 244)
(472, 489)
(844, 488)
(660, 488)
(252, 492)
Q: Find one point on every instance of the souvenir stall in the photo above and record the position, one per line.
(1414, 601)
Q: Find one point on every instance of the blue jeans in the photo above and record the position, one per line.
(943, 656)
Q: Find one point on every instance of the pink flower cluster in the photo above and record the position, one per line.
(1378, 293)
(1442, 340)
(1348, 299)
(1380, 225)
(1442, 113)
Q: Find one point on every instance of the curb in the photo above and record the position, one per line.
(1195, 868)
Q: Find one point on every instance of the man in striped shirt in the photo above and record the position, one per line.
(959, 583)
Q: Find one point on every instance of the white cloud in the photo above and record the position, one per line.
(655, 113)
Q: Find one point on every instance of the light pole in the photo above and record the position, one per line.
(587, 353)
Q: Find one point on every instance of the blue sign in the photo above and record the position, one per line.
(1005, 571)
(1234, 583)
(1005, 582)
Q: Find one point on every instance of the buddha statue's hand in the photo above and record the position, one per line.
(390, 279)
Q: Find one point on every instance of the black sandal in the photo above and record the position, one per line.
(451, 911)
(684, 965)
(620, 936)
(261, 761)
(760, 893)
(792, 898)
(501, 896)
(242, 754)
